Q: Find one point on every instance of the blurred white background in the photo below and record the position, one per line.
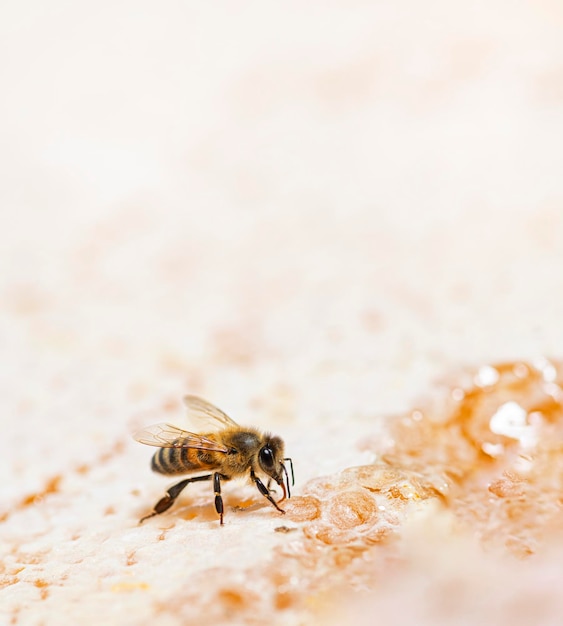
(304, 211)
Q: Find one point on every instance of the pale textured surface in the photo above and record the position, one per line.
(304, 213)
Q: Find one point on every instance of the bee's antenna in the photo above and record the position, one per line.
(292, 475)
(286, 482)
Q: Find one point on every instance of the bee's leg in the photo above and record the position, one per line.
(264, 490)
(171, 494)
(218, 498)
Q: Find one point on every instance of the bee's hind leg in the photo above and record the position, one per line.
(171, 494)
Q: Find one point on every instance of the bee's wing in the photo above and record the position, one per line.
(169, 436)
(203, 411)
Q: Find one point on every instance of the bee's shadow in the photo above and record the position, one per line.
(205, 512)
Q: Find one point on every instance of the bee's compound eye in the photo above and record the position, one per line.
(266, 458)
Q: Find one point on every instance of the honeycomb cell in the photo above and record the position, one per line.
(303, 508)
(350, 509)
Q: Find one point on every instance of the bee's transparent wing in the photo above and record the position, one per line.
(207, 414)
(169, 436)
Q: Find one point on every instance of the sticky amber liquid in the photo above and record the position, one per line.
(489, 449)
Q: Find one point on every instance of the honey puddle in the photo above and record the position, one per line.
(488, 449)
(497, 442)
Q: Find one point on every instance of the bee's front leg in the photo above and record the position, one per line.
(264, 490)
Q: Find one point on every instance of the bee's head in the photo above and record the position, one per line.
(271, 461)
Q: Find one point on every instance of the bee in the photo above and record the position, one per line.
(227, 451)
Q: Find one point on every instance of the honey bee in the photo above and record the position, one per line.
(226, 451)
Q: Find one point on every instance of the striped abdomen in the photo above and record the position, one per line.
(181, 461)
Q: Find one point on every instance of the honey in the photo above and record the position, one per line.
(498, 441)
(486, 452)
